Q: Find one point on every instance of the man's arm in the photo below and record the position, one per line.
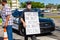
(24, 24)
(8, 13)
(7, 19)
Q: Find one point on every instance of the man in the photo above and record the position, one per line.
(7, 18)
(28, 9)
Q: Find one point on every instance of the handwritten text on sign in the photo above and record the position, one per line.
(32, 23)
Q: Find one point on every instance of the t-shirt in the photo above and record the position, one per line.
(5, 12)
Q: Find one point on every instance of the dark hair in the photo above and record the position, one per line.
(4, 1)
(28, 2)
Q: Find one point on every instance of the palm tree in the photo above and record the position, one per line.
(10, 2)
(0, 1)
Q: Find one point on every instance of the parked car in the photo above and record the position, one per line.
(47, 25)
(47, 11)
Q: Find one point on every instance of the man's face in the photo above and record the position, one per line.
(29, 6)
(2, 3)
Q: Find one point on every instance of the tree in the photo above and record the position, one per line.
(0, 1)
(10, 2)
(34, 5)
(58, 6)
(23, 5)
(50, 5)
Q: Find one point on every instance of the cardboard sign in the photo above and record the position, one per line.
(32, 23)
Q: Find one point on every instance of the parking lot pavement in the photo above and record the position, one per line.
(1, 33)
(45, 38)
(54, 36)
(17, 37)
(50, 36)
(57, 22)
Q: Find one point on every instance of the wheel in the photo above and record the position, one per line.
(33, 37)
(21, 30)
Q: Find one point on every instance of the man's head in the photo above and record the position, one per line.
(28, 5)
(4, 2)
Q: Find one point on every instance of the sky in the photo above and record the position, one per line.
(44, 1)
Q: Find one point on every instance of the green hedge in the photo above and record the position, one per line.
(0, 20)
(53, 17)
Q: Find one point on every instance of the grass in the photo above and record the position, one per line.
(0, 20)
(52, 17)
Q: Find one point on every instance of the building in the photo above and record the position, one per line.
(15, 4)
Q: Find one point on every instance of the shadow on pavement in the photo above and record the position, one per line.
(1, 38)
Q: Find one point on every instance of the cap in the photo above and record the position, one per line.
(28, 2)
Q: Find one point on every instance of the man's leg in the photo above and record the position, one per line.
(33, 37)
(9, 32)
(26, 38)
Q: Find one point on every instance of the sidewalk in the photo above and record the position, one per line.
(1, 33)
(0, 23)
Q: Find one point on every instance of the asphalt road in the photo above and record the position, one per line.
(50, 36)
(1, 33)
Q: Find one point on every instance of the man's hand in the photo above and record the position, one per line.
(24, 24)
(7, 19)
(6, 24)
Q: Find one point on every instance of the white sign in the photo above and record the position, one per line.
(32, 23)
